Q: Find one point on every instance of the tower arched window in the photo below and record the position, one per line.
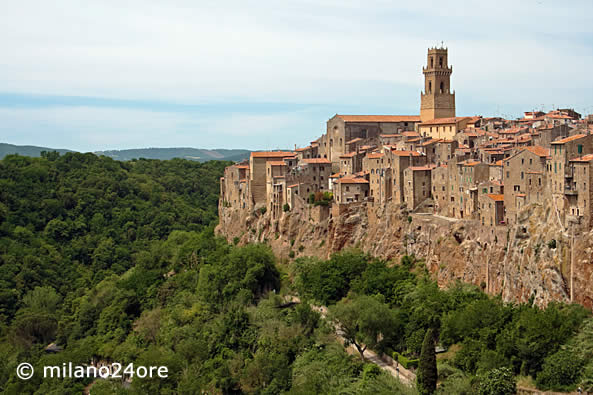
(429, 86)
(431, 62)
(441, 61)
(442, 87)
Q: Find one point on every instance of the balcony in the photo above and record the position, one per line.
(571, 191)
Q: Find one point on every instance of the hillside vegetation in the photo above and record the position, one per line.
(117, 262)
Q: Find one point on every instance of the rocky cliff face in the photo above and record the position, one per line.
(529, 260)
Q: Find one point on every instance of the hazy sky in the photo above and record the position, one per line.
(266, 74)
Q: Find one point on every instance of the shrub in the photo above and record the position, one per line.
(291, 254)
(286, 207)
(552, 244)
(262, 210)
(405, 361)
(498, 382)
(560, 371)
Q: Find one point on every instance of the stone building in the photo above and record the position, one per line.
(257, 172)
(561, 175)
(441, 189)
(524, 180)
(491, 209)
(275, 186)
(437, 100)
(443, 128)
(417, 185)
(312, 175)
(351, 163)
(399, 160)
(351, 189)
(445, 150)
(580, 192)
(345, 128)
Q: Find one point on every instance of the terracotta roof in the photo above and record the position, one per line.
(390, 135)
(354, 140)
(380, 118)
(271, 154)
(469, 163)
(242, 166)
(410, 133)
(347, 180)
(521, 195)
(585, 158)
(292, 186)
(497, 163)
(416, 139)
(496, 198)
(348, 155)
(317, 161)
(375, 155)
(440, 121)
(429, 142)
(567, 139)
(405, 153)
(421, 168)
(303, 149)
(538, 150)
(276, 163)
(336, 175)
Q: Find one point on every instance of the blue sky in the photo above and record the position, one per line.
(267, 74)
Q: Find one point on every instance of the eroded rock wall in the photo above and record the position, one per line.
(517, 262)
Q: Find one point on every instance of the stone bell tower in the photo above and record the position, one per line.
(437, 100)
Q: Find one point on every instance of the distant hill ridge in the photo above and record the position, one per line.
(200, 155)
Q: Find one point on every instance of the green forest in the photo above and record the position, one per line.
(118, 262)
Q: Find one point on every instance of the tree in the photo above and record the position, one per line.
(498, 382)
(560, 371)
(363, 321)
(427, 368)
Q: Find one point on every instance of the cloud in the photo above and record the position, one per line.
(335, 56)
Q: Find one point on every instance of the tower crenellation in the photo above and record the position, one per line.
(437, 99)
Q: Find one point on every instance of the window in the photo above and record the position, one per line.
(347, 189)
(485, 190)
(440, 61)
(442, 87)
(508, 174)
(522, 161)
(522, 175)
(530, 161)
(580, 148)
(431, 62)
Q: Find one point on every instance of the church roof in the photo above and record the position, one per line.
(380, 118)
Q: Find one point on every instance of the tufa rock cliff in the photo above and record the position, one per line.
(533, 259)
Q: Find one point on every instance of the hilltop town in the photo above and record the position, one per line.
(469, 167)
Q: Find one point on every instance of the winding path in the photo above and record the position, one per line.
(404, 375)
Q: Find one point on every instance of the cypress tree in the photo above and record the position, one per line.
(427, 368)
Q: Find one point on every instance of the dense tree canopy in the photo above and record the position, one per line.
(118, 261)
